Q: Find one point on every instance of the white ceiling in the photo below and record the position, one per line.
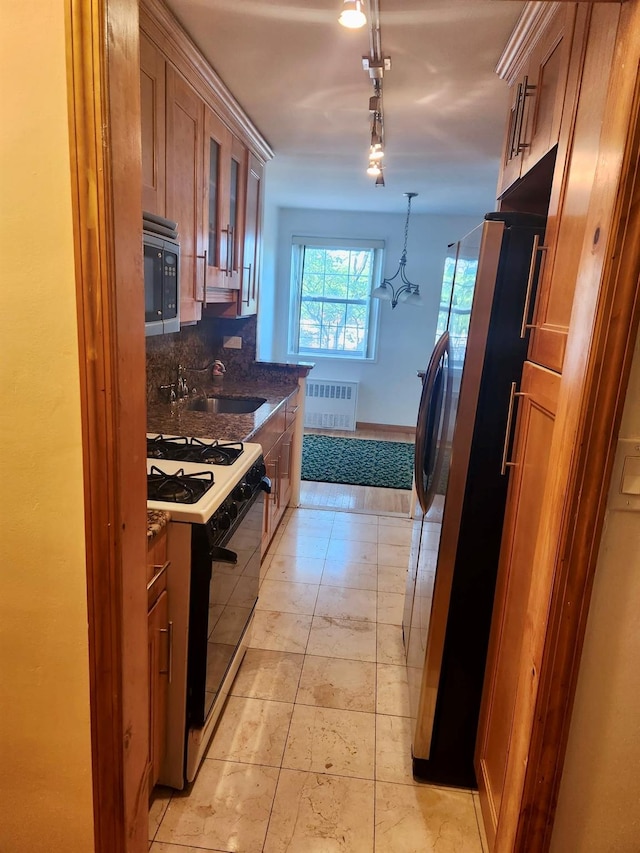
(298, 74)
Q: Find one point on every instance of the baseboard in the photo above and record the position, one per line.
(409, 430)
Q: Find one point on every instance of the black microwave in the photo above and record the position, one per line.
(161, 285)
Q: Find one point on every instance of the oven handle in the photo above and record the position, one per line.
(223, 555)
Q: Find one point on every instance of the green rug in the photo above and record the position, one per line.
(357, 461)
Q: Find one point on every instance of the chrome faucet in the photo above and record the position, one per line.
(182, 387)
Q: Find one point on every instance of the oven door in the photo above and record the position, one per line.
(225, 579)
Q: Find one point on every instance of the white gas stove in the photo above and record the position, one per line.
(175, 483)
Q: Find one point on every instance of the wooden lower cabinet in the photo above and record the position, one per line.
(278, 462)
(159, 648)
(537, 407)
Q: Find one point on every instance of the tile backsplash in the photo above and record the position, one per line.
(197, 347)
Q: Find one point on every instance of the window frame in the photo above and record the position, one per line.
(298, 246)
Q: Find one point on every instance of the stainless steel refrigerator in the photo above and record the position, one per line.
(461, 445)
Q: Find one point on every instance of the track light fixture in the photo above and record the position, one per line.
(407, 292)
(375, 65)
(352, 16)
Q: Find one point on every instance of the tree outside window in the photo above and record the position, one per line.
(332, 311)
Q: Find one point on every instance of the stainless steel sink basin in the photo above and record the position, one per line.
(226, 405)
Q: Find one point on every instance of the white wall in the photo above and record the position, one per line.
(389, 391)
(599, 802)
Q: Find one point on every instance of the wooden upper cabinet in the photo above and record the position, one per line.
(538, 91)
(578, 149)
(223, 213)
(152, 115)
(537, 402)
(185, 135)
(248, 296)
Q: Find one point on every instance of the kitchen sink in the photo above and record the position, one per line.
(226, 405)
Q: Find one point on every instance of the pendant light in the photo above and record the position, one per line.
(407, 292)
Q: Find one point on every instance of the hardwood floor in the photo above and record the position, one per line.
(364, 499)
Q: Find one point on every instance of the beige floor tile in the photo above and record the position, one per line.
(265, 674)
(287, 596)
(341, 603)
(251, 730)
(227, 808)
(320, 527)
(157, 807)
(394, 535)
(393, 749)
(412, 819)
(310, 512)
(342, 638)
(390, 608)
(355, 532)
(390, 648)
(350, 574)
(315, 813)
(326, 740)
(393, 555)
(395, 521)
(354, 518)
(280, 632)
(334, 683)
(300, 544)
(392, 691)
(299, 569)
(392, 579)
(358, 552)
(159, 847)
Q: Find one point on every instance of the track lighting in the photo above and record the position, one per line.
(374, 169)
(352, 16)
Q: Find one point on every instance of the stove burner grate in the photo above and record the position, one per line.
(178, 487)
(185, 449)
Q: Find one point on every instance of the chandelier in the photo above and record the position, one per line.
(407, 291)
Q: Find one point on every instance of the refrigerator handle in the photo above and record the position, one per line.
(532, 275)
(507, 434)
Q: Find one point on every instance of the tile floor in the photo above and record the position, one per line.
(312, 752)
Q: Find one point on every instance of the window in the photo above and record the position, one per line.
(332, 313)
(456, 299)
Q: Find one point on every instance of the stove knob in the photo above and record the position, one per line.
(256, 473)
(232, 509)
(222, 519)
(242, 492)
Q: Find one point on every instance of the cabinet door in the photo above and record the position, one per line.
(537, 406)
(547, 79)
(533, 125)
(579, 147)
(223, 212)
(152, 120)
(286, 460)
(185, 118)
(248, 296)
(159, 653)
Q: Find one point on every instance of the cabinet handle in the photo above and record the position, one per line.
(287, 447)
(532, 273)
(515, 115)
(512, 396)
(527, 90)
(293, 410)
(248, 299)
(276, 480)
(158, 571)
(204, 282)
(169, 632)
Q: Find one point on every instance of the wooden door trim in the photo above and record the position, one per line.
(597, 363)
(104, 116)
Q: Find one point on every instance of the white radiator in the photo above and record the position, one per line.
(330, 405)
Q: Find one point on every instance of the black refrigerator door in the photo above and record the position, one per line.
(433, 421)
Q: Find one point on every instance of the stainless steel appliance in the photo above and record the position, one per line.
(161, 258)
(217, 511)
(487, 294)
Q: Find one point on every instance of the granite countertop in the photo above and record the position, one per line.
(157, 520)
(176, 419)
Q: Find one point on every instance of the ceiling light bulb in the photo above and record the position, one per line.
(352, 17)
(376, 152)
(374, 169)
